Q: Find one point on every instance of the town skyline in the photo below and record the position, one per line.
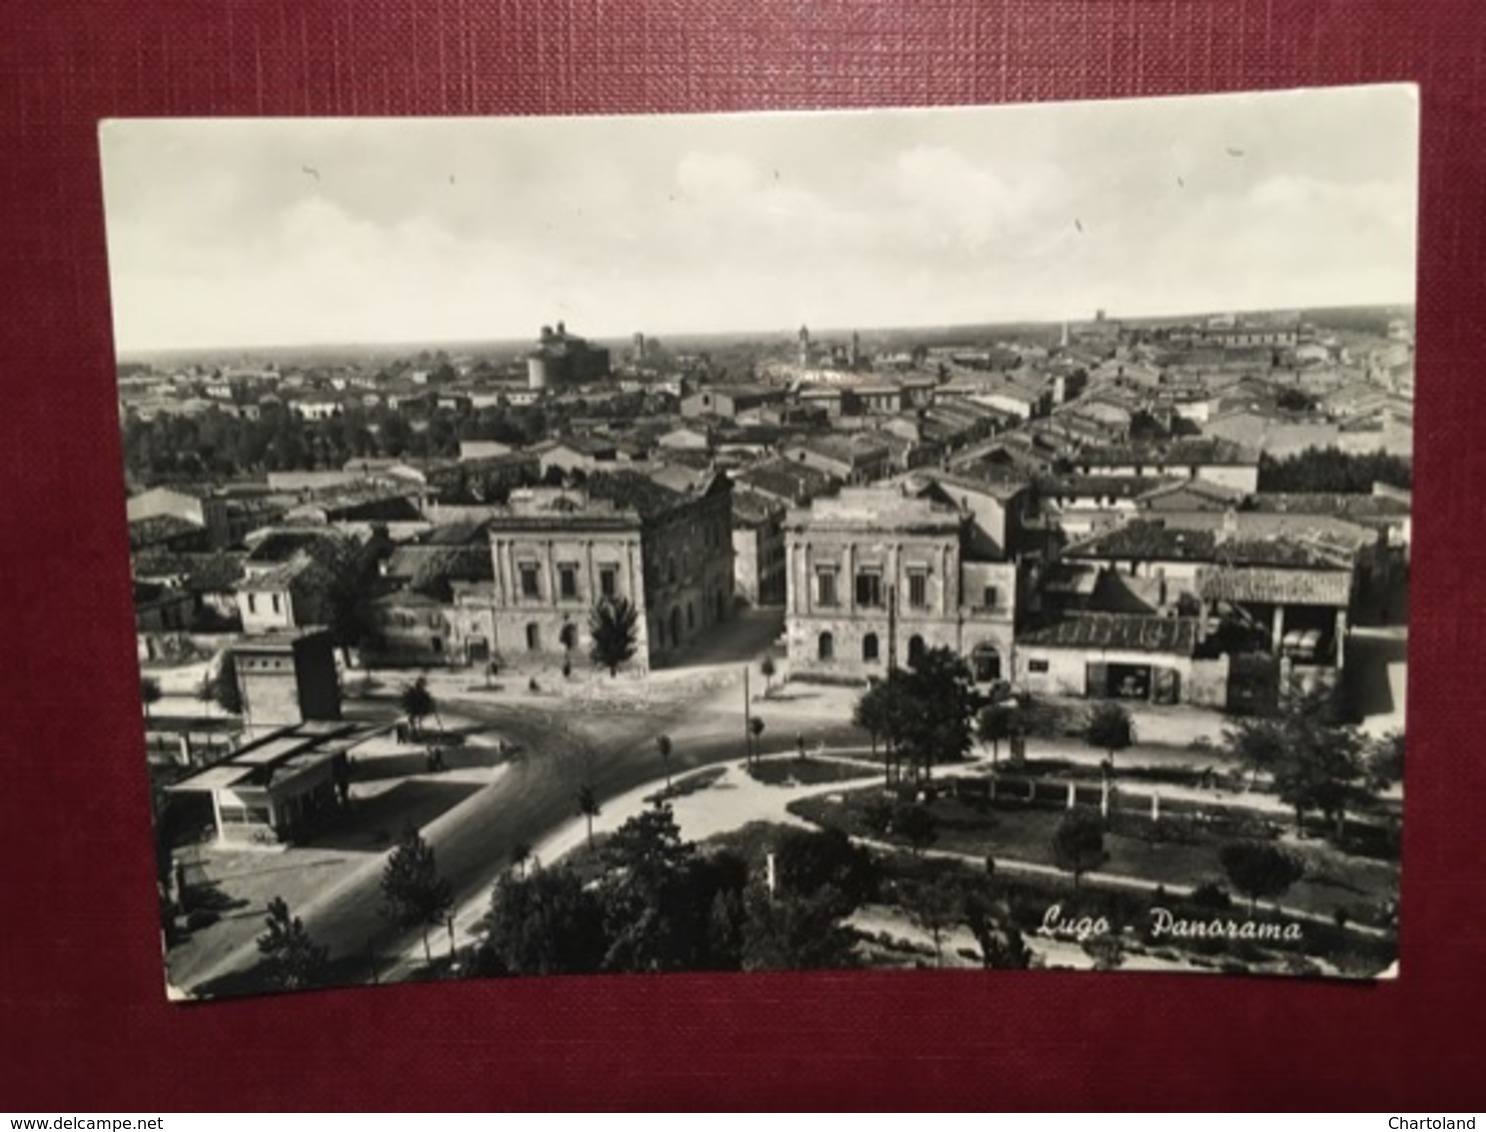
(250, 234)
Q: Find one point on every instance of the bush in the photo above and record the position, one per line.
(1210, 895)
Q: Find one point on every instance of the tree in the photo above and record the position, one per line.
(916, 825)
(1002, 947)
(652, 914)
(417, 897)
(994, 724)
(936, 906)
(546, 923)
(924, 713)
(225, 689)
(1385, 760)
(293, 958)
(1110, 728)
(808, 860)
(613, 625)
(1078, 842)
(149, 693)
(937, 709)
(791, 932)
(767, 669)
(1258, 869)
(1105, 949)
(417, 704)
(520, 854)
(664, 746)
(588, 807)
(1260, 743)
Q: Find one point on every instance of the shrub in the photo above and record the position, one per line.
(1210, 895)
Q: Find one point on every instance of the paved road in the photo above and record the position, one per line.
(473, 841)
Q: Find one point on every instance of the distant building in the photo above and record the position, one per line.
(730, 401)
(563, 359)
(758, 548)
(851, 459)
(876, 576)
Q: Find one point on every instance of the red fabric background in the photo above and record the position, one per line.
(84, 1022)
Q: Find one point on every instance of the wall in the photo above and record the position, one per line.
(1067, 673)
(266, 612)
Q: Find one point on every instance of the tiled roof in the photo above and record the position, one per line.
(1120, 487)
(1197, 450)
(633, 491)
(1280, 587)
(786, 480)
(1149, 541)
(1332, 503)
(1132, 632)
(157, 529)
(201, 573)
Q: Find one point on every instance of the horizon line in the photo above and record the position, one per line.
(121, 354)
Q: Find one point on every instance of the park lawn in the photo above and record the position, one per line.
(795, 771)
(1025, 833)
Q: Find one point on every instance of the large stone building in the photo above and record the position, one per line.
(557, 553)
(877, 575)
(562, 359)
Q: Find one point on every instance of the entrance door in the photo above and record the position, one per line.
(986, 661)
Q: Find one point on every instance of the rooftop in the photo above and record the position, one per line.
(1194, 450)
(277, 757)
(877, 509)
(1132, 632)
(1147, 541)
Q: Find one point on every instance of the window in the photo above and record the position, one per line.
(671, 571)
(691, 621)
(567, 581)
(989, 598)
(869, 588)
(436, 644)
(1036, 666)
(531, 586)
(918, 589)
(252, 603)
(609, 581)
(869, 647)
(533, 638)
(274, 598)
(825, 587)
(825, 647)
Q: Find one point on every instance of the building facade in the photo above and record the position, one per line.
(875, 577)
(557, 554)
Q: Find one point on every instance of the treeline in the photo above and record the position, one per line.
(219, 445)
(1332, 470)
(662, 904)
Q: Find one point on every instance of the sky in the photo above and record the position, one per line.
(259, 232)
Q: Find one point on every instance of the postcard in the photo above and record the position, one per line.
(954, 538)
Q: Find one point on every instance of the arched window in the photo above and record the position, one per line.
(915, 650)
(869, 647)
(533, 637)
(826, 647)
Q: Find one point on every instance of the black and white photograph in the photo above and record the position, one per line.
(964, 538)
